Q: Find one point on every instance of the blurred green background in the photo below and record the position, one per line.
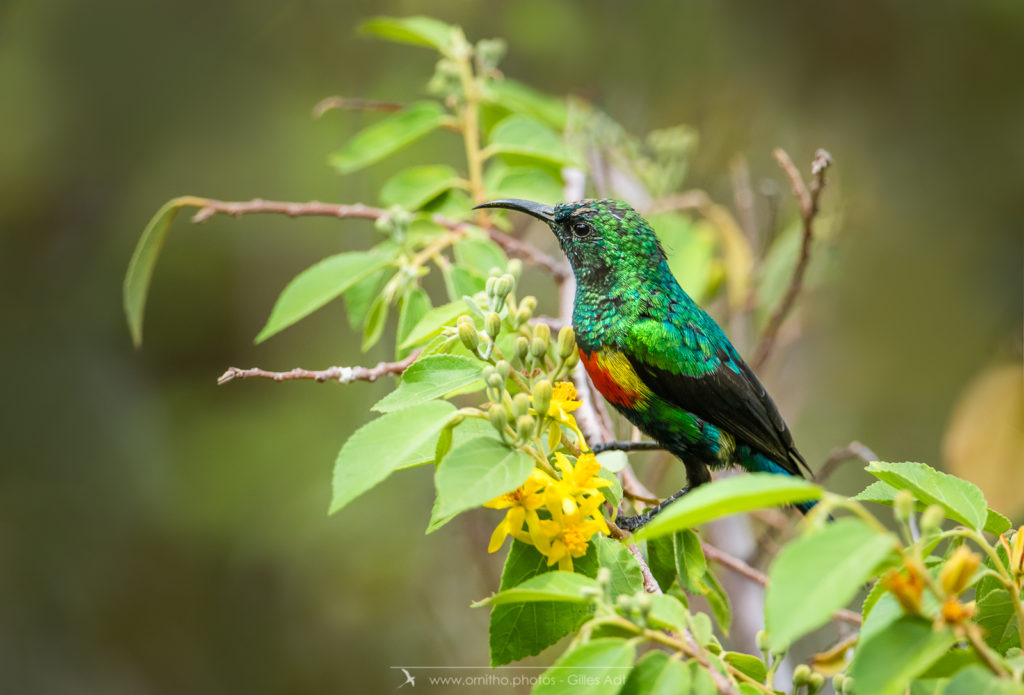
(161, 535)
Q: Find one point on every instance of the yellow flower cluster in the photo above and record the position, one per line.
(572, 504)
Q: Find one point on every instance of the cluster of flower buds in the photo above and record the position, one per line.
(499, 286)
(804, 677)
(842, 684)
(395, 223)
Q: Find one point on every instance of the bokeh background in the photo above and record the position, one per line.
(159, 534)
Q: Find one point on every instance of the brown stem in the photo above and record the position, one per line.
(853, 450)
(343, 375)
(808, 199)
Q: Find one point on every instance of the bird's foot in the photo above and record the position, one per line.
(626, 446)
(634, 523)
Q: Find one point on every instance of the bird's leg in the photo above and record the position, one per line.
(632, 523)
(626, 446)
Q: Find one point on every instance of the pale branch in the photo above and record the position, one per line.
(742, 568)
(808, 199)
(650, 583)
(209, 207)
(343, 375)
(353, 104)
(853, 450)
(626, 446)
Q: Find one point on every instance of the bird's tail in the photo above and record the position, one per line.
(756, 462)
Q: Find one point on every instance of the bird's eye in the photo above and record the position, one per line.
(580, 229)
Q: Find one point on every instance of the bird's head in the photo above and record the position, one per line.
(603, 239)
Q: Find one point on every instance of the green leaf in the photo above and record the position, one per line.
(913, 641)
(477, 472)
(387, 136)
(950, 663)
(433, 322)
(656, 674)
(550, 586)
(691, 565)
(661, 558)
(883, 493)
(718, 599)
(816, 575)
(519, 630)
(528, 183)
(599, 667)
(361, 294)
(613, 461)
(140, 268)
(319, 284)
(375, 322)
(978, 680)
(418, 31)
(626, 576)
(480, 255)
(416, 186)
(390, 442)
(612, 493)
(428, 378)
(415, 304)
(668, 612)
(996, 615)
(524, 136)
(521, 99)
(748, 664)
(739, 493)
(963, 501)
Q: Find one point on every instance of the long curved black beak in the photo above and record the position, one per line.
(538, 210)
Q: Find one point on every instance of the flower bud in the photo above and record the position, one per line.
(529, 304)
(522, 347)
(495, 381)
(522, 316)
(958, 570)
(503, 368)
(498, 417)
(837, 682)
(764, 645)
(848, 686)
(503, 286)
(604, 576)
(907, 588)
(815, 684)
(1015, 552)
(542, 331)
(931, 518)
(520, 404)
(801, 675)
(573, 359)
(624, 602)
(515, 268)
(566, 342)
(492, 324)
(642, 601)
(542, 396)
(903, 504)
(954, 612)
(468, 333)
(538, 348)
(492, 283)
(526, 424)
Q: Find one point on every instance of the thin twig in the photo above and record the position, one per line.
(353, 104)
(740, 567)
(209, 207)
(853, 450)
(808, 198)
(650, 583)
(618, 445)
(343, 375)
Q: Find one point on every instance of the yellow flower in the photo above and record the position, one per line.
(522, 504)
(571, 532)
(564, 400)
(581, 478)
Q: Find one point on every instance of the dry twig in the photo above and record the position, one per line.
(343, 375)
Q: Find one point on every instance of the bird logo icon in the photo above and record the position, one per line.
(409, 679)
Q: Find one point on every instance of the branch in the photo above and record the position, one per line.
(808, 199)
(343, 375)
(209, 207)
(740, 567)
(626, 446)
(853, 450)
(650, 583)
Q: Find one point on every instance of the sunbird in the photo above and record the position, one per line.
(657, 356)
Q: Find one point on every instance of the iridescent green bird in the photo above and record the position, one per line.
(657, 356)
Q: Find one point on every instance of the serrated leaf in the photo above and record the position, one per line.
(414, 187)
(668, 612)
(140, 267)
(978, 680)
(319, 284)
(626, 577)
(550, 586)
(428, 378)
(816, 575)
(739, 493)
(918, 646)
(477, 472)
(519, 630)
(599, 667)
(384, 445)
(433, 322)
(522, 99)
(691, 565)
(883, 493)
(996, 615)
(418, 31)
(963, 501)
(524, 136)
(387, 136)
